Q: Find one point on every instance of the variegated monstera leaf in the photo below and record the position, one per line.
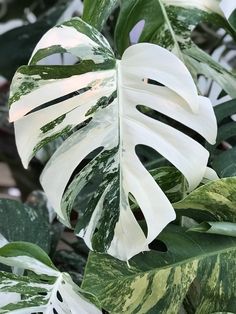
(39, 287)
(170, 24)
(95, 104)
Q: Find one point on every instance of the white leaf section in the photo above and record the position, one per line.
(228, 7)
(3, 240)
(112, 94)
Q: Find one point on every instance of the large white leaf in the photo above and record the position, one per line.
(94, 104)
(47, 291)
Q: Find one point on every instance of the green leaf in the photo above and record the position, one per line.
(225, 163)
(213, 201)
(170, 25)
(171, 181)
(19, 222)
(95, 106)
(223, 228)
(229, 9)
(157, 282)
(96, 12)
(225, 110)
(46, 290)
(23, 39)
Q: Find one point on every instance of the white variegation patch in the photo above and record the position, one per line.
(59, 294)
(116, 126)
(228, 7)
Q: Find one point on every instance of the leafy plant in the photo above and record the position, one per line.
(130, 137)
(104, 98)
(45, 290)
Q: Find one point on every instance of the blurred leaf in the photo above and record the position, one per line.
(18, 44)
(96, 12)
(223, 228)
(19, 222)
(225, 163)
(225, 110)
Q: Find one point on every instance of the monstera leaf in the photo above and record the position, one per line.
(44, 289)
(229, 9)
(169, 23)
(96, 105)
(158, 281)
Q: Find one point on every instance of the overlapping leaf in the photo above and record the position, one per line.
(223, 160)
(229, 9)
(20, 222)
(96, 105)
(158, 282)
(215, 201)
(44, 289)
(170, 23)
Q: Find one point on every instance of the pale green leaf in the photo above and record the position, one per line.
(215, 227)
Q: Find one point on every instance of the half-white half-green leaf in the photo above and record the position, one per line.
(96, 105)
(43, 289)
(229, 9)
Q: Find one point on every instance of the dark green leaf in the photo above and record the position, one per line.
(96, 12)
(18, 44)
(19, 222)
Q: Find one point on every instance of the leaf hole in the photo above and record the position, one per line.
(60, 99)
(59, 297)
(64, 58)
(138, 214)
(54, 311)
(83, 164)
(74, 215)
(153, 82)
(42, 293)
(136, 32)
(156, 115)
(158, 245)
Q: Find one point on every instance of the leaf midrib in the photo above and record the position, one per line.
(176, 44)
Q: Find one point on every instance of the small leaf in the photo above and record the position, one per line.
(47, 290)
(223, 228)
